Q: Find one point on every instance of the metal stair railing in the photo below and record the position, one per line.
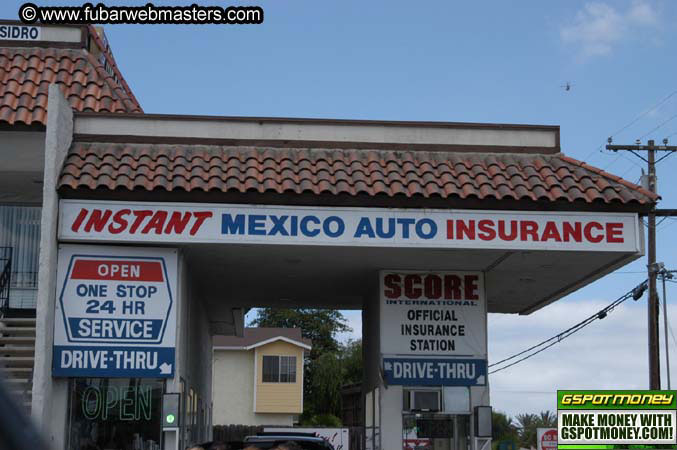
(5, 278)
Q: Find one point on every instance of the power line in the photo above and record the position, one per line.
(672, 94)
(619, 156)
(546, 344)
(634, 121)
(658, 126)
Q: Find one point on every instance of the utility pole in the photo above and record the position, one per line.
(654, 350)
(666, 274)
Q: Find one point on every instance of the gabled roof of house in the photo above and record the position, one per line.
(86, 72)
(256, 337)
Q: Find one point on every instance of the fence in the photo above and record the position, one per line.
(227, 433)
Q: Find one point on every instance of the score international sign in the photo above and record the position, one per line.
(103, 221)
(439, 313)
(115, 312)
(433, 328)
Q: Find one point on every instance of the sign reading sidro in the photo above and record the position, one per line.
(435, 372)
(115, 313)
(20, 32)
(440, 313)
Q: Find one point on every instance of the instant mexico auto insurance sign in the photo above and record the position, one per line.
(115, 312)
(177, 223)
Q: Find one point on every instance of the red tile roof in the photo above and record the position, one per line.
(26, 73)
(343, 171)
(253, 336)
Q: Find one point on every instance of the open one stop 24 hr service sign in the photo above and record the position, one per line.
(115, 312)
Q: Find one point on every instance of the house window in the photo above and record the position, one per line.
(279, 369)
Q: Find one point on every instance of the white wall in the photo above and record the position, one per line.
(233, 391)
(319, 130)
(194, 344)
(49, 395)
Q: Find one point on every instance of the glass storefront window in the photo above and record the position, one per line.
(115, 414)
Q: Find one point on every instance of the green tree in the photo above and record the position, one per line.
(527, 429)
(352, 366)
(528, 424)
(503, 428)
(325, 385)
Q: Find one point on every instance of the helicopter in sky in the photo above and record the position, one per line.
(567, 86)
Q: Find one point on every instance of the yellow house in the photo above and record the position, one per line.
(258, 378)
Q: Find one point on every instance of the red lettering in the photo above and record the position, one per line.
(587, 231)
(177, 223)
(570, 230)
(551, 232)
(513, 230)
(140, 215)
(463, 229)
(487, 232)
(392, 286)
(78, 220)
(529, 228)
(614, 232)
(410, 286)
(120, 221)
(156, 223)
(470, 283)
(432, 285)
(450, 229)
(97, 220)
(452, 287)
(200, 217)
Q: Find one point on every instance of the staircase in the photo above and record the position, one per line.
(17, 356)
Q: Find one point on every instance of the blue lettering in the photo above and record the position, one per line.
(364, 227)
(431, 233)
(381, 232)
(230, 226)
(340, 226)
(257, 225)
(304, 226)
(294, 226)
(278, 226)
(405, 226)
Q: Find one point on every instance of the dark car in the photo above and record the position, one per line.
(307, 441)
(265, 441)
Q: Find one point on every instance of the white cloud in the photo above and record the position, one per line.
(608, 354)
(598, 27)
(642, 13)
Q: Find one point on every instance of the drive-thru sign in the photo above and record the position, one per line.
(115, 312)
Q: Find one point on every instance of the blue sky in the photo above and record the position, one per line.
(483, 61)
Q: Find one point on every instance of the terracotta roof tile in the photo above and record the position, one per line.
(531, 177)
(26, 73)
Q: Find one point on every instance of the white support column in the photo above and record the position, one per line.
(50, 395)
